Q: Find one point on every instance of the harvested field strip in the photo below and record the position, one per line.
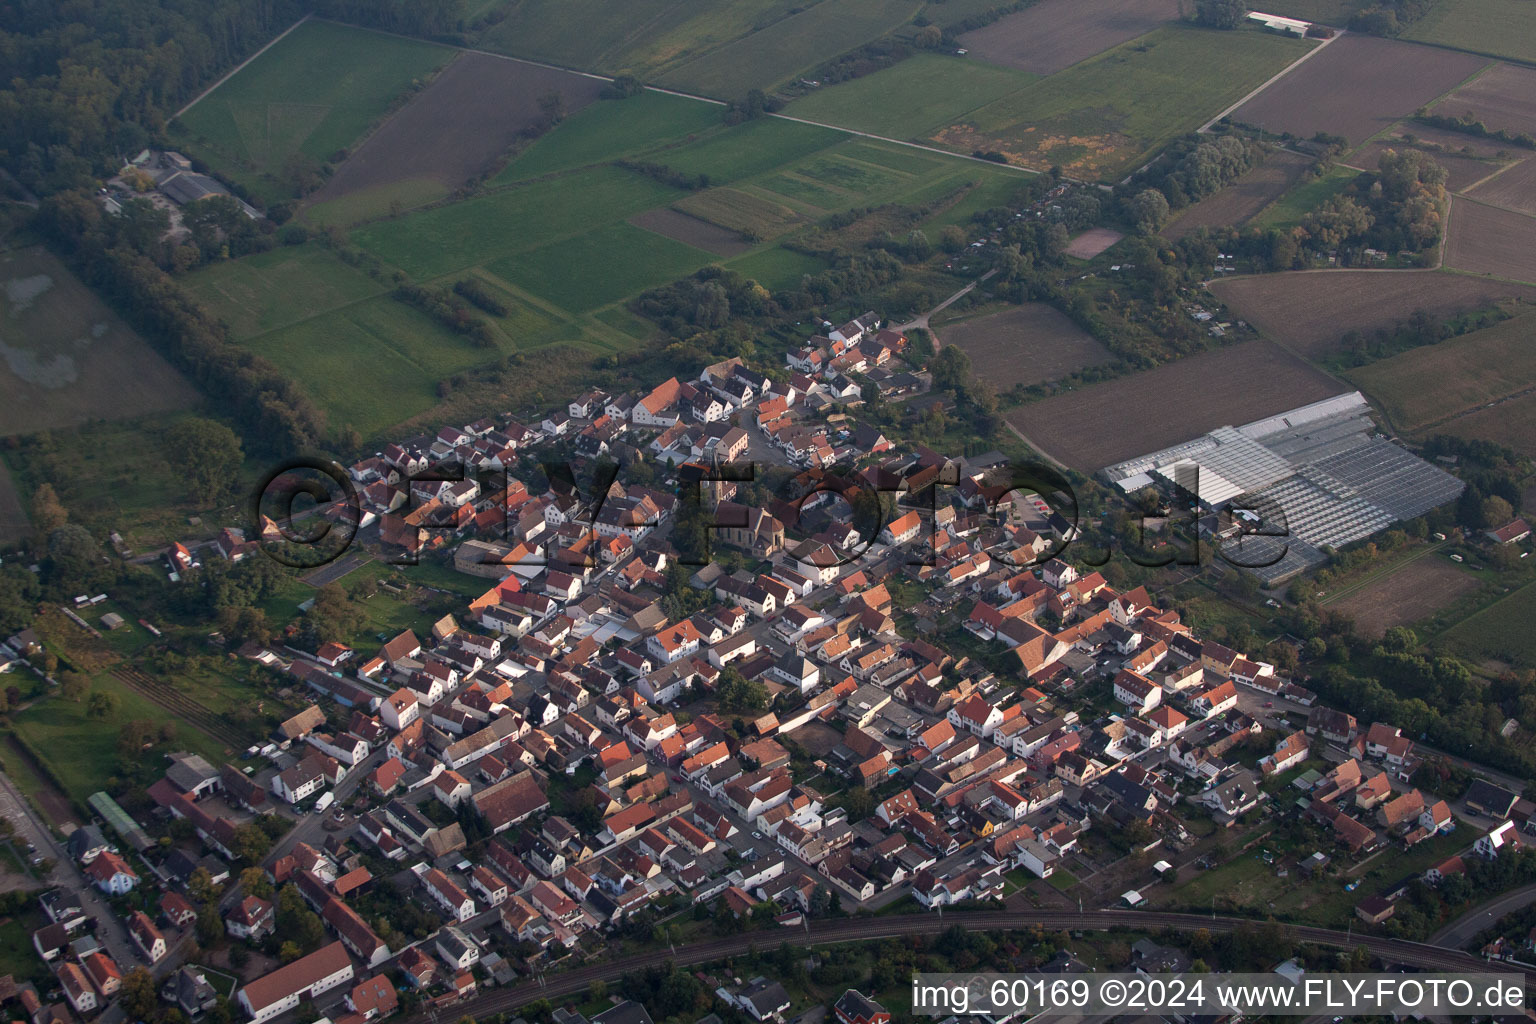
(1504, 96)
(1513, 188)
(1427, 385)
(1358, 86)
(459, 125)
(738, 211)
(690, 230)
(1310, 311)
(1028, 344)
(1487, 240)
(1092, 427)
(1243, 198)
(1056, 34)
(180, 704)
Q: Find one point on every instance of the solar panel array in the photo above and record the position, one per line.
(1319, 474)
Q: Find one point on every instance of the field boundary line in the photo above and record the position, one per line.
(1480, 182)
(1319, 48)
(241, 66)
(899, 142)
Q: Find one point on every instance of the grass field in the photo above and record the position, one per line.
(1287, 211)
(750, 149)
(83, 751)
(653, 35)
(65, 358)
(1500, 631)
(600, 267)
(913, 98)
(370, 364)
(777, 268)
(315, 92)
(1244, 198)
(1511, 423)
(449, 238)
(609, 130)
(1100, 117)
(1428, 384)
(771, 55)
(279, 287)
(1502, 28)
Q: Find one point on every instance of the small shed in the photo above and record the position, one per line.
(112, 620)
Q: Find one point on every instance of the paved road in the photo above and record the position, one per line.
(1412, 954)
(922, 321)
(109, 929)
(1460, 931)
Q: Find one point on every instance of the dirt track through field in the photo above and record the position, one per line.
(459, 125)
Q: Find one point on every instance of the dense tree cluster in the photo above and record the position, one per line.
(473, 291)
(1398, 207)
(271, 412)
(1468, 123)
(1389, 17)
(666, 175)
(87, 83)
(1356, 348)
(1199, 166)
(1220, 13)
(448, 309)
(408, 17)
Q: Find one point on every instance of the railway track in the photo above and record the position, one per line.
(1395, 951)
(171, 699)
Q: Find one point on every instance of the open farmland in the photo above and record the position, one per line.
(1356, 87)
(1502, 631)
(279, 287)
(651, 37)
(612, 130)
(1243, 198)
(1029, 344)
(1487, 240)
(739, 211)
(1426, 385)
(911, 98)
(1467, 159)
(456, 128)
(1092, 427)
(1309, 311)
(313, 94)
(1504, 96)
(1511, 422)
(788, 47)
(692, 231)
(1502, 28)
(1055, 34)
(1409, 593)
(600, 267)
(67, 358)
(1098, 118)
(1513, 189)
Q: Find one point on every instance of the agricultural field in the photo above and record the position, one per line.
(1504, 96)
(1242, 199)
(1426, 385)
(370, 364)
(1092, 242)
(1501, 28)
(912, 98)
(279, 287)
(1358, 86)
(1409, 593)
(456, 129)
(754, 148)
(1309, 311)
(777, 268)
(1055, 34)
(1502, 631)
(1467, 159)
(748, 215)
(1092, 427)
(67, 358)
(1511, 422)
(1027, 344)
(1513, 189)
(789, 47)
(691, 230)
(612, 130)
(600, 267)
(1487, 240)
(652, 37)
(1291, 208)
(1099, 118)
(312, 95)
